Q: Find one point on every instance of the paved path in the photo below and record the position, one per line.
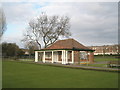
(91, 67)
(82, 67)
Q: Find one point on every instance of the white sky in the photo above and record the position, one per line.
(92, 23)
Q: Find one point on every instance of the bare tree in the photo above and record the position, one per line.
(2, 22)
(47, 29)
(31, 46)
(32, 34)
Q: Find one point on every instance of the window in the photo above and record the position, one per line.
(83, 55)
(48, 55)
(69, 54)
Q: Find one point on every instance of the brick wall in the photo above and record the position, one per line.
(91, 57)
(76, 56)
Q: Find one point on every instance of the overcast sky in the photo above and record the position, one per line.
(92, 23)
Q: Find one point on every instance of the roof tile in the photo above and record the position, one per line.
(67, 44)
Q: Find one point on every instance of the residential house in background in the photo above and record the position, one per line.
(26, 51)
(106, 49)
(67, 51)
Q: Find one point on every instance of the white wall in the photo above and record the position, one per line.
(55, 56)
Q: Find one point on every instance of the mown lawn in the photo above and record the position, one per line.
(99, 65)
(105, 58)
(25, 75)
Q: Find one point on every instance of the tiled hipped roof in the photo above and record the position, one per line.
(67, 44)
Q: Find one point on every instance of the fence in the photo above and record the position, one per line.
(22, 58)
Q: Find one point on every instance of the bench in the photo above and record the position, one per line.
(113, 64)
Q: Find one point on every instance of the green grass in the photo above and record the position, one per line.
(24, 75)
(105, 58)
(98, 65)
(0, 73)
(101, 59)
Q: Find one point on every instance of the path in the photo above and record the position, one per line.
(82, 67)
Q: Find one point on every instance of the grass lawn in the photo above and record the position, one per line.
(101, 59)
(98, 65)
(0, 73)
(24, 75)
(105, 58)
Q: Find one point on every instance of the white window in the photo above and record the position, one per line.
(83, 55)
(48, 55)
(69, 54)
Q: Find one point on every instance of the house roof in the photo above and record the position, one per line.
(69, 44)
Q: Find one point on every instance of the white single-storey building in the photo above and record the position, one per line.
(67, 51)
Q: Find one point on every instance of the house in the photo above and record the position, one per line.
(26, 51)
(106, 49)
(67, 51)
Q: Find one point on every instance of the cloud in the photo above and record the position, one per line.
(60, 1)
(17, 17)
(18, 12)
(89, 21)
(14, 34)
(92, 23)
